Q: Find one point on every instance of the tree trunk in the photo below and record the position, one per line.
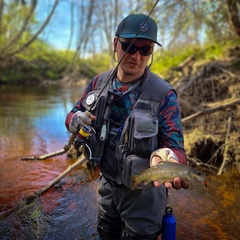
(233, 13)
(25, 24)
(30, 41)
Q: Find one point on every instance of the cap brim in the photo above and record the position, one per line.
(130, 35)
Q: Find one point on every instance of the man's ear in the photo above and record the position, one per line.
(115, 44)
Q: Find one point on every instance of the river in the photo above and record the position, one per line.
(32, 123)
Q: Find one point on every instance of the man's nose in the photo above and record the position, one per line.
(136, 54)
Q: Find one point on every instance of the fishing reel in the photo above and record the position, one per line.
(83, 134)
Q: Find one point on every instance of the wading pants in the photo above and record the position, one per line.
(130, 214)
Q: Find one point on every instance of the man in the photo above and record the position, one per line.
(137, 123)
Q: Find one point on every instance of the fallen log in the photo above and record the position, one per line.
(62, 175)
(210, 110)
(53, 154)
(225, 156)
(43, 157)
(184, 64)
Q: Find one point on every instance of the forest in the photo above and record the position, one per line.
(200, 56)
(30, 30)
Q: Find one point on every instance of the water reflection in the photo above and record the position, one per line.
(31, 123)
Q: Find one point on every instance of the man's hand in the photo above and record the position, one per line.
(79, 119)
(166, 154)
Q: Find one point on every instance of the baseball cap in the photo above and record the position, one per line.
(129, 27)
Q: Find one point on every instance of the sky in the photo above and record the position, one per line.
(57, 32)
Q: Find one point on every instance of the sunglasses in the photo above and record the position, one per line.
(143, 51)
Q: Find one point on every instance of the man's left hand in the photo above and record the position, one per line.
(177, 182)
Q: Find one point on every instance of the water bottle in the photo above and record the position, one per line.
(169, 225)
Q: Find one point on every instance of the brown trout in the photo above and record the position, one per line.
(167, 171)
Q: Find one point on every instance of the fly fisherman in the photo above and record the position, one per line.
(137, 123)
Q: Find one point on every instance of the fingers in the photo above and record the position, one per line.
(92, 117)
(156, 183)
(167, 154)
(185, 185)
(176, 184)
(84, 118)
(80, 118)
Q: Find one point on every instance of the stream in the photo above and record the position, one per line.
(32, 124)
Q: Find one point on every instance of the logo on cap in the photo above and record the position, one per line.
(143, 27)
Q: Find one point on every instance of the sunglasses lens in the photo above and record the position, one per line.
(144, 51)
(125, 46)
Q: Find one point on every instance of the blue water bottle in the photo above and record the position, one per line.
(169, 225)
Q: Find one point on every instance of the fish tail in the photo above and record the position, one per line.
(134, 185)
(134, 182)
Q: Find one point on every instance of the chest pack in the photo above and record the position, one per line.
(140, 130)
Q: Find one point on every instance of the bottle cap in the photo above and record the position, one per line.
(169, 210)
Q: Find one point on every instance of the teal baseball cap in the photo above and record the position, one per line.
(134, 23)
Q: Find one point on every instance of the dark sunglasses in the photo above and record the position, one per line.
(143, 51)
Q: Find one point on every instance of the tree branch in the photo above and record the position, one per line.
(36, 34)
(19, 34)
(210, 110)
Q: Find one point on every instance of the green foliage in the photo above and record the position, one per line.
(12, 20)
(165, 60)
(40, 62)
(99, 62)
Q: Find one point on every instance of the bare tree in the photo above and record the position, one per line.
(34, 37)
(85, 15)
(71, 25)
(1, 12)
(19, 34)
(233, 12)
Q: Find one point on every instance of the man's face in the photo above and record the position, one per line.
(135, 61)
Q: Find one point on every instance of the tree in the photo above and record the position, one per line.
(10, 48)
(184, 22)
(233, 12)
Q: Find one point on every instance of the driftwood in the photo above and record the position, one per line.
(62, 175)
(43, 157)
(53, 154)
(211, 168)
(186, 63)
(225, 157)
(188, 81)
(229, 73)
(210, 110)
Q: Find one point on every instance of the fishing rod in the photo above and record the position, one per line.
(112, 74)
(85, 131)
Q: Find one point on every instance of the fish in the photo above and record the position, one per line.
(167, 171)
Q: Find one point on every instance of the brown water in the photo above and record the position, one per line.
(32, 123)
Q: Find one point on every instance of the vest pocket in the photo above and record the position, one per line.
(132, 166)
(143, 133)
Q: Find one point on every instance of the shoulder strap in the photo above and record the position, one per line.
(153, 91)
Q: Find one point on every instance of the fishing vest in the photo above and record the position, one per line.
(139, 136)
